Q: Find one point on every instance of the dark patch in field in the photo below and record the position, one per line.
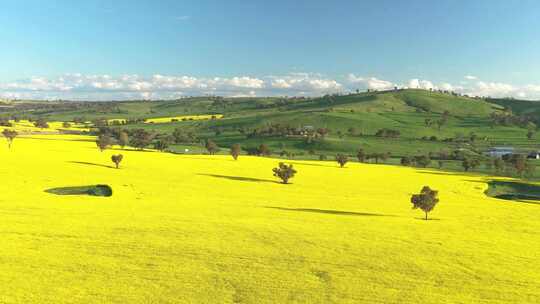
(90, 164)
(514, 191)
(94, 190)
(240, 178)
(325, 211)
(439, 173)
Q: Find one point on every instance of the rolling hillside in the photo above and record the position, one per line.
(352, 121)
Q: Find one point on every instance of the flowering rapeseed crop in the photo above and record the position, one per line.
(201, 229)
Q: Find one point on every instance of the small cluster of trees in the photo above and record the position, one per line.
(365, 157)
(387, 133)
(419, 160)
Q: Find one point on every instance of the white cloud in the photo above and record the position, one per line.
(470, 77)
(305, 82)
(107, 87)
(370, 83)
(421, 84)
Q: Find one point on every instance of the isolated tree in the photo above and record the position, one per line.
(103, 142)
(235, 151)
(10, 136)
(361, 155)
(426, 200)
(440, 163)
(117, 159)
(211, 147)
(66, 124)
(342, 159)
(284, 172)
(123, 139)
(263, 150)
(41, 123)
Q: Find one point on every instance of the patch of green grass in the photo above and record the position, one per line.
(512, 190)
(94, 190)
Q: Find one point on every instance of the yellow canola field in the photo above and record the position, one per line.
(207, 229)
(172, 118)
(25, 126)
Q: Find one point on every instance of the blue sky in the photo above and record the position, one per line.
(115, 49)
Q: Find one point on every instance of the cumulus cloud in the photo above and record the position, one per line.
(370, 82)
(470, 77)
(421, 84)
(305, 82)
(107, 87)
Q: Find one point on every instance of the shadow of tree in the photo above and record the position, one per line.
(240, 178)
(309, 164)
(90, 164)
(441, 173)
(326, 211)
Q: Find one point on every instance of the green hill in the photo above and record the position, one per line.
(352, 122)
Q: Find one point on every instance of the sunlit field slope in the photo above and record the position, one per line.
(207, 229)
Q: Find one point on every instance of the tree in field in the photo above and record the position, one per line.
(123, 139)
(426, 200)
(342, 159)
(66, 124)
(406, 161)
(498, 164)
(117, 159)
(235, 151)
(211, 147)
(10, 136)
(103, 142)
(323, 132)
(361, 155)
(440, 163)
(470, 163)
(41, 123)
(422, 160)
(161, 144)
(140, 139)
(518, 162)
(530, 134)
(263, 150)
(428, 122)
(440, 123)
(284, 172)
